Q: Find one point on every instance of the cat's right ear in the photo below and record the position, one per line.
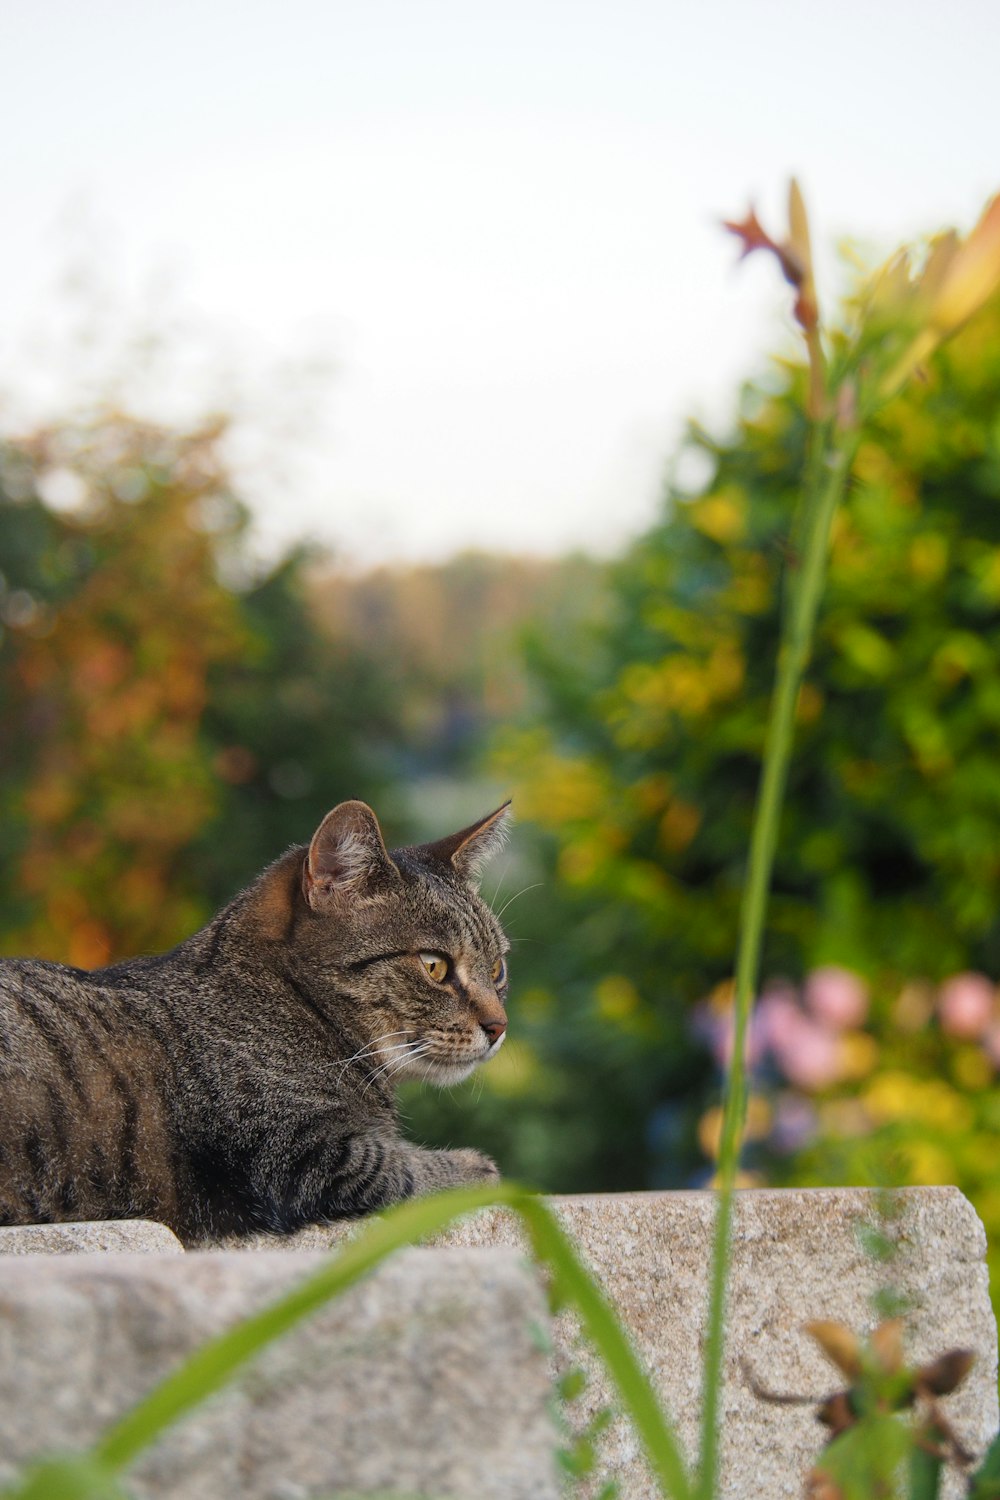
(347, 853)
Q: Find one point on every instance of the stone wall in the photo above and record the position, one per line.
(432, 1377)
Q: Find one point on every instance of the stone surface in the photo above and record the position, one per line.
(796, 1256)
(136, 1236)
(428, 1378)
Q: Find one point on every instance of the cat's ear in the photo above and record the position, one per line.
(347, 853)
(469, 850)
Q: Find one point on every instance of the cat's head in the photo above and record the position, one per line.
(408, 942)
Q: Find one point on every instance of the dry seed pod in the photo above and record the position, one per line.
(887, 1344)
(839, 1344)
(799, 253)
(943, 1374)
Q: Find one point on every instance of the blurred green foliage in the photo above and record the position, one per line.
(639, 778)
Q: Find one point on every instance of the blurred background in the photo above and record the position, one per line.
(381, 416)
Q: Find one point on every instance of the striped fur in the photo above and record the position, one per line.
(245, 1080)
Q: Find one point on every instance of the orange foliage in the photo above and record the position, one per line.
(109, 686)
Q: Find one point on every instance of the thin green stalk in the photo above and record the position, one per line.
(796, 642)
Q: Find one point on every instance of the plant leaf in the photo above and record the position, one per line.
(863, 1461)
(985, 1482)
(80, 1478)
(924, 1473)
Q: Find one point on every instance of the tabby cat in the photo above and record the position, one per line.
(245, 1080)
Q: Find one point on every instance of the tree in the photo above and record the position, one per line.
(170, 721)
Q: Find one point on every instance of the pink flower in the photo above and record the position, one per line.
(807, 1053)
(778, 1013)
(837, 997)
(991, 1044)
(965, 1005)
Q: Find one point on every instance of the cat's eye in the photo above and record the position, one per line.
(436, 965)
(499, 972)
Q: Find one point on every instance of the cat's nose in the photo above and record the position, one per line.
(494, 1030)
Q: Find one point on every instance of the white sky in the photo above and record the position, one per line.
(498, 222)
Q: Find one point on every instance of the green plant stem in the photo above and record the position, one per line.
(820, 502)
(215, 1363)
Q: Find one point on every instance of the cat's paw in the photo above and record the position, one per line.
(475, 1167)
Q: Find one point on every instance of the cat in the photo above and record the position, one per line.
(244, 1081)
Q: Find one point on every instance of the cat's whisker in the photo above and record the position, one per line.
(376, 1043)
(390, 1061)
(396, 1064)
(522, 892)
(391, 1067)
(382, 1048)
(386, 1059)
(369, 1050)
(499, 886)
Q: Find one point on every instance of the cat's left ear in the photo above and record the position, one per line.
(347, 855)
(469, 850)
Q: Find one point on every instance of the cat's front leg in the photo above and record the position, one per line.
(407, 1171)
(362, 1172)
(388, 1169)
(434, 1170)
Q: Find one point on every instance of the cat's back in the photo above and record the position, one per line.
(47, 1008)
(83, 1091)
